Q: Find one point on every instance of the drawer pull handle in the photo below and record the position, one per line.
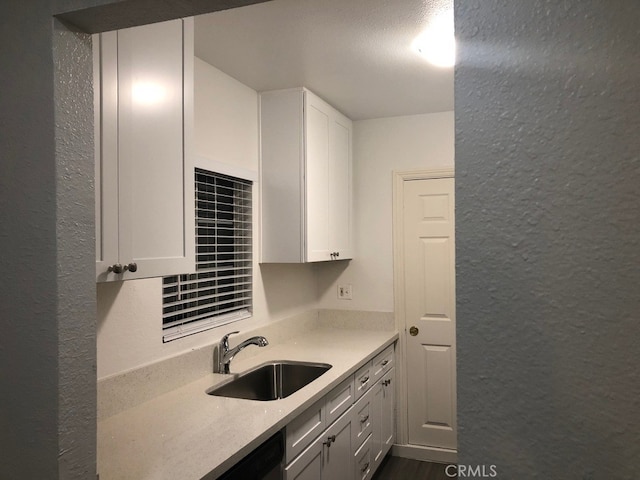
(364, 418)
(384, 364)
(365, 467)
(364, 380)
(329, 441)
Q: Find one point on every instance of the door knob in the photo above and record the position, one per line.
(413, 331)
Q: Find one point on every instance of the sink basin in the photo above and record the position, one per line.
(270, 381)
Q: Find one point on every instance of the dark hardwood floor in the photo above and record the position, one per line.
(396, 468)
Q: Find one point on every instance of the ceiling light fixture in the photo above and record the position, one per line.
(437, 43)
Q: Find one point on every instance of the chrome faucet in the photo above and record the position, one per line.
(224, 356)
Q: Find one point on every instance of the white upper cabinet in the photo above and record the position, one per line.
(306, 165)
(144, 165)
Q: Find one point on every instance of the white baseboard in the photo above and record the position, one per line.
(425, 454)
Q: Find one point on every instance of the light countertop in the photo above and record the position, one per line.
(186, 434)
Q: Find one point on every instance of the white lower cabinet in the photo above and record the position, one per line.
(329, 457)
(355, 434)
(382, 410)
(308, 465)
(336, 454)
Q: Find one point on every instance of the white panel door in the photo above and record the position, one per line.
(340, 187)
(429, 264)
(155, 172)
(316, 179)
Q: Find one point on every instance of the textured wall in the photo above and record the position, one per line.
(76, 306)
(548, 254)
(28, 347)
(47, 312)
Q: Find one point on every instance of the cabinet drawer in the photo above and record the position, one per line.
(362, 416)
(304, 429)
(363, 465)
(382, 363)
(339, 400)
(363, 380)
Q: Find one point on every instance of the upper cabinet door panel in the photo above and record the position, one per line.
(105, 78)
(151, 142)
(340, 187)
(318, 124)
(154, 199)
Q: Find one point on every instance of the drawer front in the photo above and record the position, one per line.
(382, 363)
(304, 429)
(363, 379)
(339, 400)
(362, 416)
(363, 464)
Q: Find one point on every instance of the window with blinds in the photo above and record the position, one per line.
(220, 291)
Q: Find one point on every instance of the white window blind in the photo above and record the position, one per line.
(220, 291)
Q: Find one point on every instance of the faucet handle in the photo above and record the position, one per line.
(225, 340)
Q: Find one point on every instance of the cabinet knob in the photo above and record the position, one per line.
(119, 268)
(365, 467)
(116, 268)
(330, 440)
(364, 418)
(364, 380)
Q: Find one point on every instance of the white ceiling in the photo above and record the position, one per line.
(353, 53)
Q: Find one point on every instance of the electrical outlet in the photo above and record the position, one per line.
(344, 292)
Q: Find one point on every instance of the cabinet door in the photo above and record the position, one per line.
(337, 455)
(308, 465)
(317, 126)
(155, 115)
(376, 427)
(387, 410)
(105, 90)
(383, 413)
(340, 194)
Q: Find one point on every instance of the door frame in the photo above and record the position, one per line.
(402, 447)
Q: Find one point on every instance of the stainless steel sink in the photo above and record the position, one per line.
(270, 381)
